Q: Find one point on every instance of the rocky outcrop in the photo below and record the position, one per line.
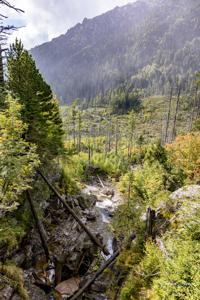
(186, 202)
(186, 193)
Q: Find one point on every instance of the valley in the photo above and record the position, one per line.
(100, 153)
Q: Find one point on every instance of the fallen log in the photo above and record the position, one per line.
(38, 225)
(102, 268)
(90, 234)
(96, 275)
(101, 182)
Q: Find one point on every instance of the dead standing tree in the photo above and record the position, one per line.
(194, 106)
(169, 111)
(5, 31)
(1, 68)
(179, 89)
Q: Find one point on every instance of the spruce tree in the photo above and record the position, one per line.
(40, 110)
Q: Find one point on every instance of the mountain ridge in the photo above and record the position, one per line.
(103, 51)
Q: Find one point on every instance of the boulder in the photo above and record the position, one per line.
(71, 245)
(187, 192)
(34, 293)
(90, 215)
(186, 201)
(6, 293)
(86, 201)
(68, 287)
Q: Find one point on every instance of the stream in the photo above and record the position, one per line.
(71, 248)
(108, 199)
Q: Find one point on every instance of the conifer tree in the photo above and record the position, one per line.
(40, 111)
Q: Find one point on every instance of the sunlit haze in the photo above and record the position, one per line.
(44, 20)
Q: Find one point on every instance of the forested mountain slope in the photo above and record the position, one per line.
(148, 41)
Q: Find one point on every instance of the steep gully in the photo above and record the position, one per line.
(90, 236)
(107, 200)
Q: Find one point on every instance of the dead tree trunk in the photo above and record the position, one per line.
(89, 154)
(198, 107)
(109, 129)
(1, 69)
(150, 220)
(96, 275)
(39, 226)
(58, 272)
(116, 138)
(101, 182)
(168, 115)
(194, 112)
(176, 111)
(90, 234)
(102, 268)
(79, 131)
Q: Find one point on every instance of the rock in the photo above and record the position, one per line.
(187, 192)
(86, 201)
(6, 293)
(93, 296)
(109, 192)
(184, 196)
(101, 297)
(36, 293)
(68, 287)
(90, 215)
(16, 297)
(186, 201)
(111, 214)
(99, 287)
(19, 258)
(71, 245)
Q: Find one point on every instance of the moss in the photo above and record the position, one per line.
(11, 232)
(13, 276)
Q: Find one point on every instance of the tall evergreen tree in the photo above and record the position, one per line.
(40, 111)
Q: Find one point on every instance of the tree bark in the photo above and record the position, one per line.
(39, 226)
(102, 268)
(168, 115)
(176, 112)
(96, 275)
(194, 108)
(150, 222)
(1, 70)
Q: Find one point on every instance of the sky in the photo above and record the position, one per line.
(46, 19)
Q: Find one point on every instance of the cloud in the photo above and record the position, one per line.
(46, 19)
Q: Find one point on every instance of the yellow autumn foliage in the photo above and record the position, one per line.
(185, 153)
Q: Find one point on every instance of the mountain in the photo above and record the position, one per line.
(147, 42)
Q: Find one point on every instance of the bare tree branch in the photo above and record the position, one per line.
(6, 3)
(5, 31)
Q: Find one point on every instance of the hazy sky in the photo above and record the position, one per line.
(46, 19)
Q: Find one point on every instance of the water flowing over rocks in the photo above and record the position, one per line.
(73, 254)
